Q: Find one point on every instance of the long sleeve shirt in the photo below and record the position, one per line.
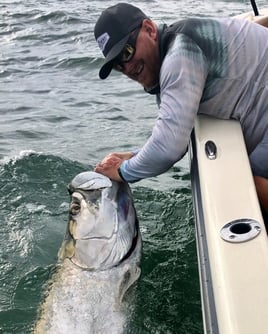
(217, 67)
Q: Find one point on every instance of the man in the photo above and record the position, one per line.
(217, 67)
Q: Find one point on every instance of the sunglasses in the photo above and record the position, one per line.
(128, 51)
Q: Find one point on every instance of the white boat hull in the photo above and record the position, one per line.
(232, 242)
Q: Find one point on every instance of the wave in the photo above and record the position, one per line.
(35, 160)
(21, 155)
(33, 171)
(57, 17)
(37, 15)
(76, 62)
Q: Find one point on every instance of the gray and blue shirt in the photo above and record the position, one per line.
(217, 67)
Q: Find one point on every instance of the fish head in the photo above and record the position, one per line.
(103, 227)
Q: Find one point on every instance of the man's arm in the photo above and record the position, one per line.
(182, 80)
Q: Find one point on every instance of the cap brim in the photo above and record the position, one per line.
(106, 70)
(113, 53)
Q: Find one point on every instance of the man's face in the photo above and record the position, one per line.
(144, 67)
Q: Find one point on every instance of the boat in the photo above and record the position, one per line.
(231, 236)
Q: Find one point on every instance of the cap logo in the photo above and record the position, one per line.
(103, 40)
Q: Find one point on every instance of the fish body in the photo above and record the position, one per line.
(98, 261)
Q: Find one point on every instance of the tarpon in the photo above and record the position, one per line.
(98, 260)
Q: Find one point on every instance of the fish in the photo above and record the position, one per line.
(98, 261)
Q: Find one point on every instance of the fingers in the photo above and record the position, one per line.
(111, 161)
(108, 170)
(110, 164)
(121, 155)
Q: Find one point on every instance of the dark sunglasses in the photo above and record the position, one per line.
(128, 51)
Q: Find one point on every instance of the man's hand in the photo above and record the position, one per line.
(110, 164)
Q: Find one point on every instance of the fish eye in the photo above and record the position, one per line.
(75, 208)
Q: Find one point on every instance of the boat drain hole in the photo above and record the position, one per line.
(240, 228)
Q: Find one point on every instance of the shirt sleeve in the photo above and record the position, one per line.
(182, 79)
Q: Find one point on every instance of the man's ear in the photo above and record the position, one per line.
(150, 27)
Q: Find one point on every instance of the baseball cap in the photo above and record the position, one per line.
(112, 31)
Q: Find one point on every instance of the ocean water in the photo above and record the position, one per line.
(58, 119)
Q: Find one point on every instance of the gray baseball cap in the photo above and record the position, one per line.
(112, 31)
